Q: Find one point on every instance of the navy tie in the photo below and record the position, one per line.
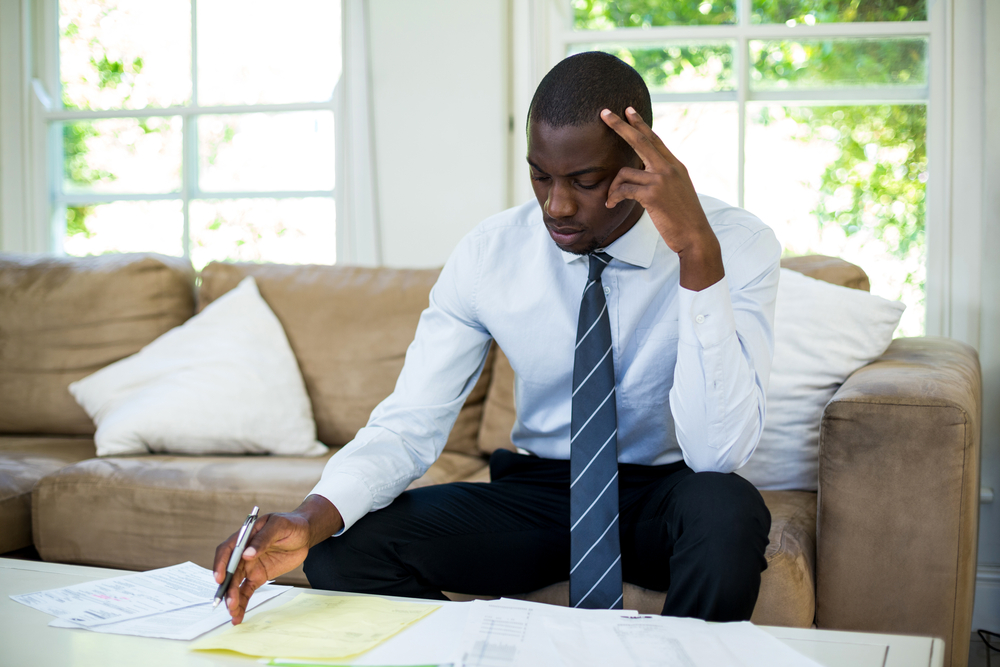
(595, 578)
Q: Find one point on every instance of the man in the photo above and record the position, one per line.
(638, 319)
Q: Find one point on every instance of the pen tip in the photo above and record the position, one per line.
(215, 603)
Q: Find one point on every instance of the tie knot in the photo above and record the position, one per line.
(598, 261)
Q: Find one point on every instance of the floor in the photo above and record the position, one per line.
(977, 653)
(977, 649)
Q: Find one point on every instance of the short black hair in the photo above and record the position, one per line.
(577, 89)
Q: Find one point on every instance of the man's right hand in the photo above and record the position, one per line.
(279, 543)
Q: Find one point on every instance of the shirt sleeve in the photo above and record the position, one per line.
(408, 430)
(724, 351)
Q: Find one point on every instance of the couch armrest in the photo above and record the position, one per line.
(898, 511)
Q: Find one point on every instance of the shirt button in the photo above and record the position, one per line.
(607, 290)
(700, 319)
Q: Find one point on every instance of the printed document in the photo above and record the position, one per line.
(122, 598)
(183, 624)
(511, 633)
(322, 627)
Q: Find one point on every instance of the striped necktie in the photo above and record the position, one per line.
(595, 578)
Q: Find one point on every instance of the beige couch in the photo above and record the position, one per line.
(887, 545)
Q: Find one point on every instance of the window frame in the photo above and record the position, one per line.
(49, 115)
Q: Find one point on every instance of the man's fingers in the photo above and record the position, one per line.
(627, 185)
(233, 592)
(638, 123)
(637, 140)
(222, 554)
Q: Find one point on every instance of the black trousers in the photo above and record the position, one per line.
(699, 536)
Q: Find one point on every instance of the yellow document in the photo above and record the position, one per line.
(319, 626)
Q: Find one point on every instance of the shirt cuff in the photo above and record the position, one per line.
(706, 317)
(352, 497)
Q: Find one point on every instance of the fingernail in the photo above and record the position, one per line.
(630, 110)
(606, 112)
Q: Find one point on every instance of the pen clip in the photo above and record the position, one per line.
(247, 523)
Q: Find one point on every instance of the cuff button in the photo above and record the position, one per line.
(700, 319)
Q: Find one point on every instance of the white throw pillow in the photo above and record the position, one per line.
(224, 382)
(822, 334)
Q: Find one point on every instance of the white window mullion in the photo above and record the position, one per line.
(768, 31)
(189, 154)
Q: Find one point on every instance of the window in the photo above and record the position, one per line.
(197, 128)
(810, 113)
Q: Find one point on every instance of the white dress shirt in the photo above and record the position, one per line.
(691, 368)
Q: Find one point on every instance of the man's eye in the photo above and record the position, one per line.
(588, 187)
(536, 177)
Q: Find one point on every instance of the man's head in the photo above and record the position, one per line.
(574, 156)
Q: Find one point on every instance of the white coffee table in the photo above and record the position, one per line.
(27, 641)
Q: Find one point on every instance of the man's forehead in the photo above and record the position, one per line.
(586, 141)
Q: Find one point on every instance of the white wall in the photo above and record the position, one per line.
(441, 123)
(987, 613)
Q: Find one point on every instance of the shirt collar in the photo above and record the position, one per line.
(635, 247)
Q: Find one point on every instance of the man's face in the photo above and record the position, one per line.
(572, 168)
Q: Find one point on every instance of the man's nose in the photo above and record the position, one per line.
(561, 203)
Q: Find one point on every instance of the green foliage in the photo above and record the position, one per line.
(76, 220)
(877, 181)
(859, 62)
(830, 11)
(76, 169)
(604, 14)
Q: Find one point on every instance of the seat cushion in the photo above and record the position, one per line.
(787, 587)
(62, 318)
(24, 461)
(145, 512)
(350, 328)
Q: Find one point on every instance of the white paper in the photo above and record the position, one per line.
(182, 624)
(433, 640)
(122, 598)
(509, 633)
(504, 633)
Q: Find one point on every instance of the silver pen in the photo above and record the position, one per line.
(234, 560)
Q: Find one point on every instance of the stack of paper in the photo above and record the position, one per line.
(512, 633)
(172, 603)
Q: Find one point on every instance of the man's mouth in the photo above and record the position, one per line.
(564, 235)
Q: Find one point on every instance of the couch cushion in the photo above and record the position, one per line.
(349, 328)
(160, 510)
(830, 270)
(787, 587)
(64, 318)
(24, 461)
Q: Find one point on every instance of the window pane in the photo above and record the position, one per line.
(289, 231)
(688, 68)
(849, 182)
(608, 14)
(125, 226)
(810, 12)
(704, 137)
(117, 54)
(838, 62)
(282, 151)
(122, 155)
(253, 52)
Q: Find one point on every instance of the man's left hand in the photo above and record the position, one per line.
(665, 190)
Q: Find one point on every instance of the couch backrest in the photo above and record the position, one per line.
(63, 318)
(499, 412)
(349, 328)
